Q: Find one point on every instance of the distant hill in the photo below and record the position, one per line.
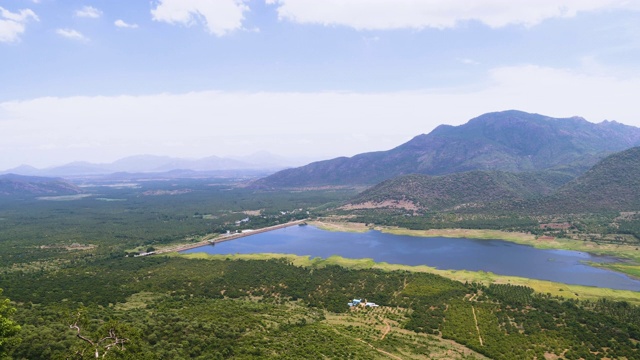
(12, 184)
(468, 190)
(507, 141)
(151, 163)
(139, 164)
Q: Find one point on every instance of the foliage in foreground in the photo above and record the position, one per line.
(8, 327)
(186, 308)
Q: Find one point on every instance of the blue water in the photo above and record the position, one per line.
(496, 256)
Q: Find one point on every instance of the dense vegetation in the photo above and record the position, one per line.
(187, 308)
(469, 191)
(8, 327)
(610, 185)
(121, 217)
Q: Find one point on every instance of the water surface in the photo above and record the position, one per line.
(497, 256)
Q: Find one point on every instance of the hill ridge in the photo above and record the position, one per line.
(511, 140)
(612, 185)
(13, 184)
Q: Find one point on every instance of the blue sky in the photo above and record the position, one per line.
(100, 80)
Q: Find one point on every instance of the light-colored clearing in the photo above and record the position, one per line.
(64, 197)
(387, 204)
(475, 319)
(138, 301)
(340, 226)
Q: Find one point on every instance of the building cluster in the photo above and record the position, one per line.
(359, 302)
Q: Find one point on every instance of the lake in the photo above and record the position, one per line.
(496, 256)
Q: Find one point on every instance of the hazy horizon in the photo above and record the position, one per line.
(99, 81)
(243, 158)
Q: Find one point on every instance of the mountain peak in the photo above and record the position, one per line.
(509, 140)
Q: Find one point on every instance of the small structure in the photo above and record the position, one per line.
(359, 302)
(245, 220)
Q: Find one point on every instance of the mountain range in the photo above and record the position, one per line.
(512, 141)
(508, 161)
(163, 164)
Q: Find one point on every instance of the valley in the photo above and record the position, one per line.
(308, 179)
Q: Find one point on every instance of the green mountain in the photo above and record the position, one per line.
(512, 141)
(468, 190)
(613, 184)
(18, 185)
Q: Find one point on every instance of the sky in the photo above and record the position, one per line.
(98, 80)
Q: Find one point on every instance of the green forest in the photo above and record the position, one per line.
(171, 307)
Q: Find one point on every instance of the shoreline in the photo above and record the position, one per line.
(226, 237)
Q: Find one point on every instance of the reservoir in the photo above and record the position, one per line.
(496, 256)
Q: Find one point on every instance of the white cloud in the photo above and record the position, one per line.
(323, 124)
(419, 14)
(122, 24)
(71, 34)
(219, 16)
(12, 25)
(89, 12)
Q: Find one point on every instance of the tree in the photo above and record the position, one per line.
(8, 328)
(108, 337)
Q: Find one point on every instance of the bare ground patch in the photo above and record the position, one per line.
(388, 204)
